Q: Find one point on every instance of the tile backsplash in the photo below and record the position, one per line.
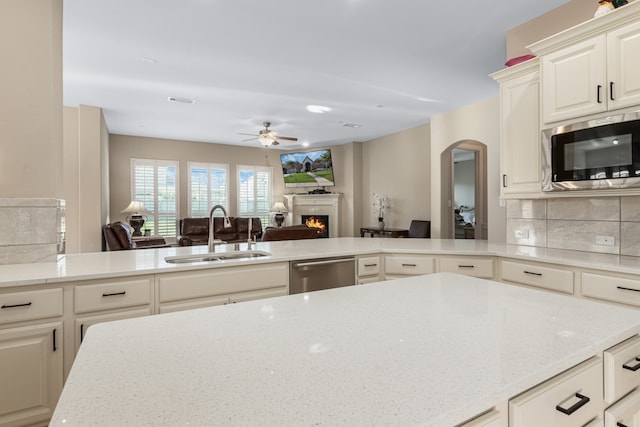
(31, 230)
(600, 224)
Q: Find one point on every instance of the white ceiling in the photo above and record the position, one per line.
(385, 65)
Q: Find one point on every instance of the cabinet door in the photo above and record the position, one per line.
(623, 66)
(31, 362)
(520, 134)
(625, 413)
(83, 323)
(574, 81)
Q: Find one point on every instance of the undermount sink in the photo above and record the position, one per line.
(213, 256)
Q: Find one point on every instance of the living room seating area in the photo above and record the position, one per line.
(195, 231)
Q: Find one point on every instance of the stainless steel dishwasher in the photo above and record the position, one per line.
(322, 273)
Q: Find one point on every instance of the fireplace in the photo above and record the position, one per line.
(318, 206)
(319, 222)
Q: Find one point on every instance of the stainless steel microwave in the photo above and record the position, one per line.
(595, 154)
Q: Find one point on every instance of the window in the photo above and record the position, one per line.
(208, 186)
(155, 183)
(254, 192)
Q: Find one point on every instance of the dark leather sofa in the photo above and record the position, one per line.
(118, 238)
(195, 231)
(292, 232)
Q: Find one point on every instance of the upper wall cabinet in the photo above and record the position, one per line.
(519, 129)
(591, 68)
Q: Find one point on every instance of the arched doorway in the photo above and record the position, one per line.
(464, 191)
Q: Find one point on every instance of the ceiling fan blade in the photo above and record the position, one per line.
(287, 138)
(275, 142)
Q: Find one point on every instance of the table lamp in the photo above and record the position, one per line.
(136, 219)
(280, 211)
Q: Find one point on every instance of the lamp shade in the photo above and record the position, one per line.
(278, 207)
(135, 208)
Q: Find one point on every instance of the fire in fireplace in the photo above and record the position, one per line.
(319, 222)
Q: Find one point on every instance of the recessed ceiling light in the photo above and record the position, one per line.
(319, 109)
(305, 144)
(149, 60)
(181, 100)
(351, 125)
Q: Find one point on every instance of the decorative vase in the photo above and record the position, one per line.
(604, 7)
(381, 223)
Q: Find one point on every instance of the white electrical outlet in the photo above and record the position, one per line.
(521, 234)
(605, 240)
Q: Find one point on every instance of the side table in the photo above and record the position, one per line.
(392, 232)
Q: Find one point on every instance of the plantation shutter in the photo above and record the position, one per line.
(208, 186)
(155, 184)
(255, 192)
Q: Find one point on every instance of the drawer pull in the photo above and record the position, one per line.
(634, 367)
(466, 266)
(409, 265)
(533, 273)
(114, 294)
(26, 304)
(370, 265)
(627, 289)
(573, 408)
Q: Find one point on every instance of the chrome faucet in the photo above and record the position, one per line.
(227, 224)
(250, 242)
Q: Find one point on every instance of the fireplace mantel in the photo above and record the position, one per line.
(314, 204)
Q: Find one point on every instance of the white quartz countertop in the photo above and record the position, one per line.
(150, 261)
(429, 350)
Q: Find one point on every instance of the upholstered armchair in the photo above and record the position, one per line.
(118, 238)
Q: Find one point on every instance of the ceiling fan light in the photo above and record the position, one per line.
(265, 139)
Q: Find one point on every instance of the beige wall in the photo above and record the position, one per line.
(398, 166)
(124, 148)
(31, 100)
(477, 122)
(561, 18)
(86, 148)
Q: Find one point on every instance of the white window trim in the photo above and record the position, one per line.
(207, 166)
(269, 169)
(155, 163)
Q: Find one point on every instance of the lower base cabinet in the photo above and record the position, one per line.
(31, 362)
(625, 413)
(82, 323)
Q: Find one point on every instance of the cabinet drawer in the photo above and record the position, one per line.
(83, 323)
(616, 289)
(570, 390)
(368, 266)
(621, 369)
(624, 413)
(408, 265)
(106, 296)
(537, 275)
(29, 305)
(222, 281)
(476, 267)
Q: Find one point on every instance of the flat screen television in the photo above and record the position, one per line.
(308, 169)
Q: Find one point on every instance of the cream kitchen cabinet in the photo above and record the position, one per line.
(401, 265)
(571, 399)
(31, 355)
(597, 71)
(539, 275)
(369, 269)
(100, 301)
(482, 267)
(203, 288)
(520, 151)
(625, 413)
(622, 289)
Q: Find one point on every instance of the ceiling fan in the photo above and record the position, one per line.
(267, 137)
